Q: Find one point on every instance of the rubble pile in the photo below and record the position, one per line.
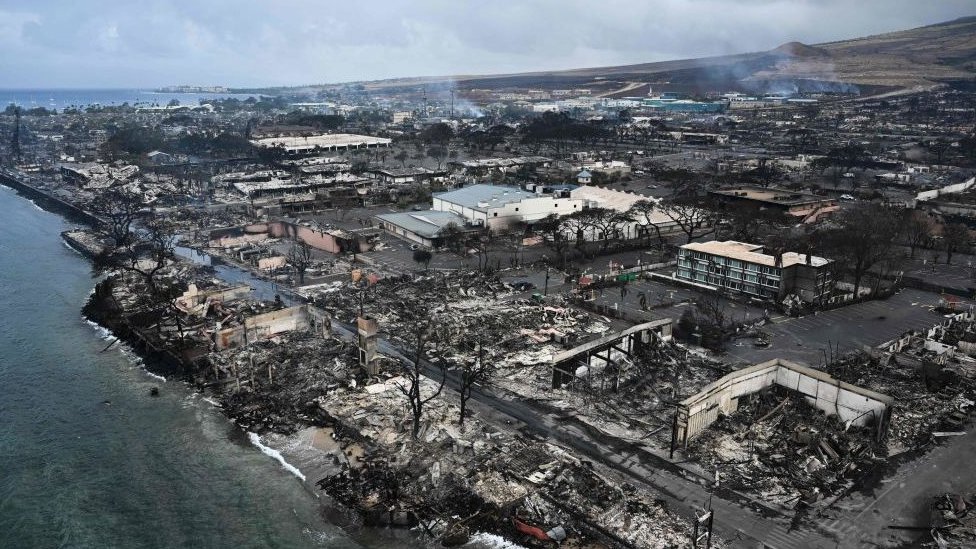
(385, 299)
(643, 407)
(303, 368)
(125, 301)
(444, 477)
(921, 404)
(576, 497)
(450, 481)
(524, 333)
(196, 224)
(781, 448)
(953, 521)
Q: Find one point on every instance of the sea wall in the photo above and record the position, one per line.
(47, 201)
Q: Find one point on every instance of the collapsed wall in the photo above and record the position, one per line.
(852, 404)
(264, 326)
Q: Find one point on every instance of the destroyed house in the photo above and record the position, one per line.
(742, 268)
(407, 176)
(277, 188)
(807, 207)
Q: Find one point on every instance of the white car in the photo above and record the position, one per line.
(847, 197)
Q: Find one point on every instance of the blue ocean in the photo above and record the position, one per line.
(64, 98)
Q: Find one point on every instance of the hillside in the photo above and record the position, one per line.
(911, 59)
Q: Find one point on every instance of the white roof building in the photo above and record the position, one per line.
(326, 142)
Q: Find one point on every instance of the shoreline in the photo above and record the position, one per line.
(164, 366)
(295, 455)
(290, 452)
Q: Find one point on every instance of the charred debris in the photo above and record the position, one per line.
(295, 371)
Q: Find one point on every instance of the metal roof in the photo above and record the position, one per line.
(426, 224)
(481, 196)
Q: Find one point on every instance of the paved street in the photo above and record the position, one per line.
(961, 274)
(847, 329)
(743, 524)
(867, 520)
(667, 301)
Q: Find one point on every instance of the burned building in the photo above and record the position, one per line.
(806, 207)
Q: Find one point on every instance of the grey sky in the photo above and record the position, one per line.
(134, 43)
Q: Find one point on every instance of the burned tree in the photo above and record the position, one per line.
(300, 258)
(149, 249)
(478, 368)
(553, 229)
(424, 340)
(918, 230)
(576, 224)
(451, 237)
(482, 244)
(603, 224)
(422, 257)
(120, 208)
(146, 254)
(750, 224)
(956, 237)
(865, 237)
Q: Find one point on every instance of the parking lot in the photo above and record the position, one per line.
(850, 328)
(666, 301)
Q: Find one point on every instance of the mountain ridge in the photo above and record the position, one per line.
(924, 57)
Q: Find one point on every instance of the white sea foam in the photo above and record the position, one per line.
(274, 454)
(129, 353)
(36, 206)
(481, 539)
(73, 249)
(154, 376)
(103, 332)
(212, 402)
(322, 538)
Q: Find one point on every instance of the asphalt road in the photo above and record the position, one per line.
(846, 329)
(904, 499)
(666, 301)
(744, 524)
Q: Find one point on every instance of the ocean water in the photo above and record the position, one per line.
(89, 459)
(61, 98)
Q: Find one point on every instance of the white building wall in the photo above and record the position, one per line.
(526, 210)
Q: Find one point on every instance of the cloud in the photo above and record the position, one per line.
(100, 43)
